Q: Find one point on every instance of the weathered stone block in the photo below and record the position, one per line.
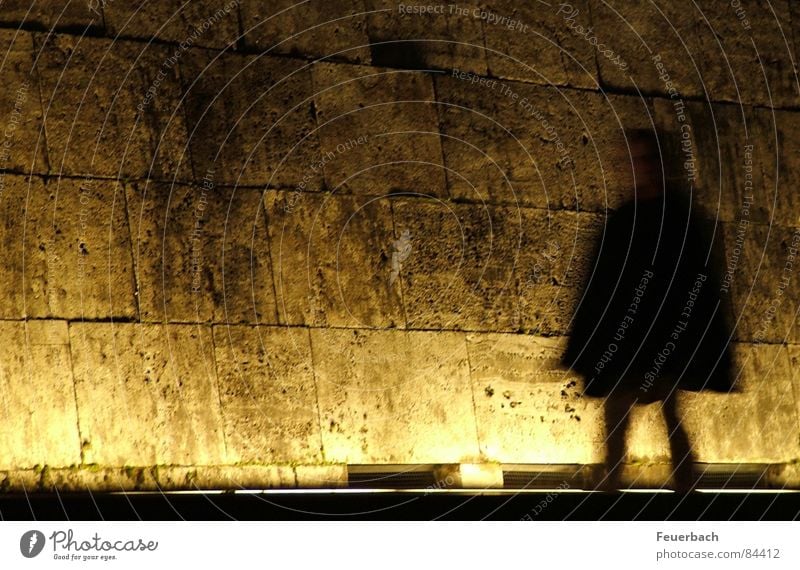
(492, 269)
(147, 394)
(758, 424)
(20, 480)
(112, 108)
(320, 476)
(37, 410)
(781, 177)
(739, 172)
(529, 409)
(637, 34)
(201, 253)
(332, 260)
(555, 250)
(515, 143)
(12, 246)
(195, 24)
(22, 145)
(538, 43)
(760, 277)
(450, 37)
(378, 130)
(252, 119)
(267, 394)
(394, 396)
(67, 250)
(228, 477)
(71, 15)
(457, 272)
(318, 28)
(794, 368)
(719, 152)
(97, 479)
(757, 45)
(705, 49)
(546, 309)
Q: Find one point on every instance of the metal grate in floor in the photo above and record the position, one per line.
(391, 476)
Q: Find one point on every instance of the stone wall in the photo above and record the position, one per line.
(251, 243)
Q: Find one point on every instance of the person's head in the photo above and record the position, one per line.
(647, 159)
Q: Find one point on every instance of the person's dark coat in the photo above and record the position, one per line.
(652, 314)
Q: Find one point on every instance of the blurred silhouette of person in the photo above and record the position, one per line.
(651, 320)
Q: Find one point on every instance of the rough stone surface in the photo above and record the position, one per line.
(201, 253)
(529, 409)
(447, 39)
(638, 33)
(251, 117)
(794, 369)
(315, 476)
(464, 278)
(765, 286)
(759, 57)
(24, 480)
(319, 29)
(74, 16)
(147, 394)
(332, 260)
(740, 174)
(781, 177)
(23, 145)
(12, 245)
(509, 142)
(66, 249)
(729, 145)
(759, 423)
(540, 43)
(267, 392)
(546, 309)
(92, 90)
(705, 49)
(555, 259)
(198, 23)
(492, 268)
(37, 406)
(378, 130)
(394, 397)
(160, 478)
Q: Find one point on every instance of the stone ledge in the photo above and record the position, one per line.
(171, 478)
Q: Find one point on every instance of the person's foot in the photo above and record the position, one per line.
(611, 481)
(685, 479)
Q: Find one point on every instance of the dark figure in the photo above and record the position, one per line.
(651, 319)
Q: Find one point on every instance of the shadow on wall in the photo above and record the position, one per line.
(651, 320)
(402, 54)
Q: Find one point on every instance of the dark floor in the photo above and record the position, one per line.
(507, 506)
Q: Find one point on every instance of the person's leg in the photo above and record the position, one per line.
(617, 408)
(681, 450)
